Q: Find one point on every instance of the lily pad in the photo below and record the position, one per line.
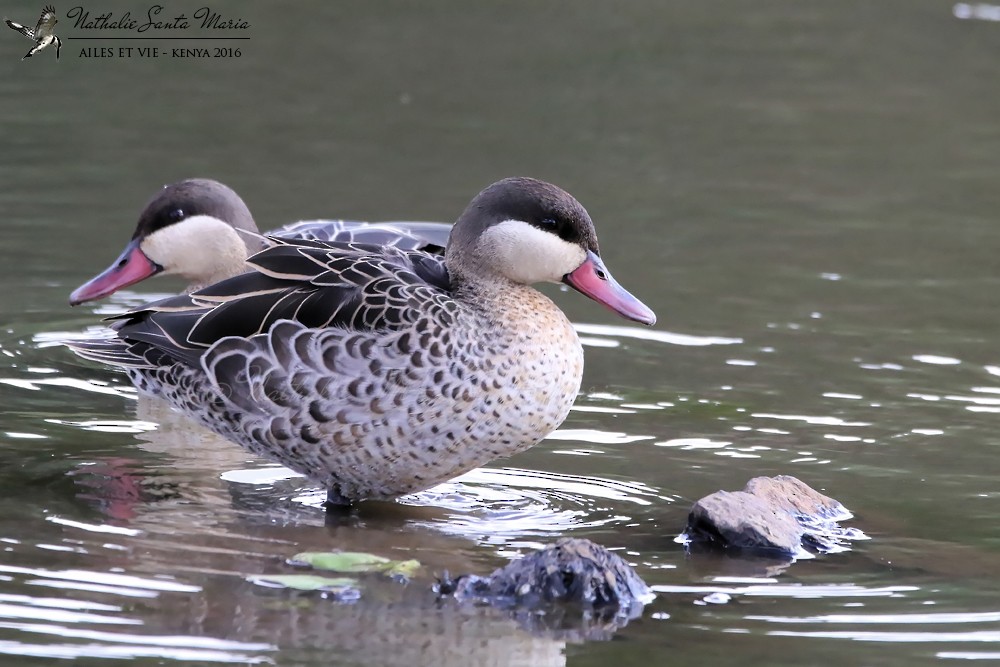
(339, 586)
(354, 561)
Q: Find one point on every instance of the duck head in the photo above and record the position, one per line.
(188, 229)
(527, 231)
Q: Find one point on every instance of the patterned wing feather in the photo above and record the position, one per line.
(345, 287)
(426, 236)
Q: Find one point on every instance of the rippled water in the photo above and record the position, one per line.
(804, 192)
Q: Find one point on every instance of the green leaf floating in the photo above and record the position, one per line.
(307, 582)
(353, 561)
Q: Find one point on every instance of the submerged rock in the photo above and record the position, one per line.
(584, 590)
(781, 515)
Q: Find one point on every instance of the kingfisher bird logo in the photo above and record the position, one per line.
(42, 35)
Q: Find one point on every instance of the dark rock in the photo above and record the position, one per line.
(585, 591)
(571, 570)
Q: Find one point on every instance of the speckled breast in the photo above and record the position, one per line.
(378, 416)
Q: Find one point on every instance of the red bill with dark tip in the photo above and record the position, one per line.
(593, 280)
(130, 267)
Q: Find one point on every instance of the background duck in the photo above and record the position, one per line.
(377, 371)
(202, 230)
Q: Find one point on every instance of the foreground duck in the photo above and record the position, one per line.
(377, 371)
(202, 231)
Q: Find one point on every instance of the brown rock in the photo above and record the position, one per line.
(791, 494)
(743, 520)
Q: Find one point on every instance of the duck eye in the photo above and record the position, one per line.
(176, 215)
(549, 223)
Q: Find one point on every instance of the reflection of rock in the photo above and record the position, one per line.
(389, 626)
(587, 592)
(772, 514)
(209, 551)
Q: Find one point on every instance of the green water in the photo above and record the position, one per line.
(804, 192)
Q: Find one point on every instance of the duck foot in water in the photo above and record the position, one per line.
(335, 502)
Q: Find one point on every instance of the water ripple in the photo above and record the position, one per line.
(887, 619)
(122, 646)
(499, 504)
(92, 386)
(595, 436)
(94, 528)
(60, 615)
(654, 335)
(799, 591)
(991, 636)
(816, 421)
(107, 579)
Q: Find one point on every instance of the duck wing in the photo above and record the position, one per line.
(343, 286)
(427, 236)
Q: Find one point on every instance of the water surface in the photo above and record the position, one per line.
(803, 191)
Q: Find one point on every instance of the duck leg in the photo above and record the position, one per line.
(336, 502)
